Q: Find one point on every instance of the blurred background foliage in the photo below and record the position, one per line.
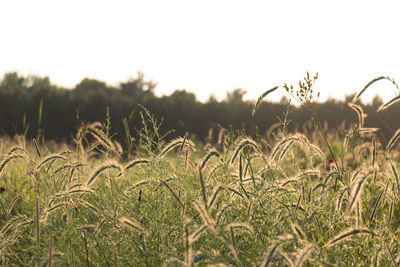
(64, 109)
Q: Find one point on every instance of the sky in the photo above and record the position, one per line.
(206, 47)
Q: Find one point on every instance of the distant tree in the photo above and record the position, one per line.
(138, 87)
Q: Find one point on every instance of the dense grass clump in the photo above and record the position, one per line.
(328, 199)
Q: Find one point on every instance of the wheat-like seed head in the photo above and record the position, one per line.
(109, 165)
(258, 103)
(346, 234)
(392, 141)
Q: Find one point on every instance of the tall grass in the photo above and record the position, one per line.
(236, 203)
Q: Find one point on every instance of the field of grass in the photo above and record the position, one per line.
(325, 199)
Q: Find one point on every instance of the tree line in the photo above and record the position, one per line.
(33, 106)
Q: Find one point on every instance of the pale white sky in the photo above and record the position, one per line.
(206, 47)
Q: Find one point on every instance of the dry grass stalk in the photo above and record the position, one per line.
(396, 175)
(133, 225)
(187, 245)
(391, 256)
(207, 158)
(184, 141)
(203, 189)
(260, 98)
(373, 152)
(273, 248)
(389, 103)
(302, 255)
(110, 165)
(51, 157)
(198, 233)
(214, 196)
(346, 234)
(358, 109)
(372, 82)
(175, 143)
(356, 191)
(298, 232)
(242, 144)
(50, 258)
(37, 212)
(178, 199)
(36, 147)
(135, 162)
(393, 141)
(7, 159)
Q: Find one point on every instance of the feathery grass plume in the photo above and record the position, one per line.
(184, 141)
(273, 248)
(72, 165)
(187, 246)
(285, 148)
(214, 196)
(54, 208)
(49, 158)
(178, 199)
(367, 130)
(50, 257)
(87, 228)
(203, 188)
(392, 141)
(391, 256)
(137, 184)
(133, 225)
(346, 234)
(88, 205)
(373, 156)
(340, 200)
(175, 143)
(298, 232)
(358, 213)
(372, 82)
(75, 190)
(11, 223)
(242, 144)
(205, 216)
(102, 139)
(207, 158)
(234, 191)
(240, 226)
(281, 147)
(12, 203)
(309, 172)
(376, 205)
(221, 137)
(134, 162)
(37, 223)
(324, 263)
(95, 130)
(356, 191)
(302, 255)
(354, 175)
(37, 147)
(198, 233)
(389, 103)
(233, 245)
(7, 159)
(396, 175)
(109, 165)
(15, 149)
(260, 98)
(271, 129)
(360, 113)
(286, 258)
